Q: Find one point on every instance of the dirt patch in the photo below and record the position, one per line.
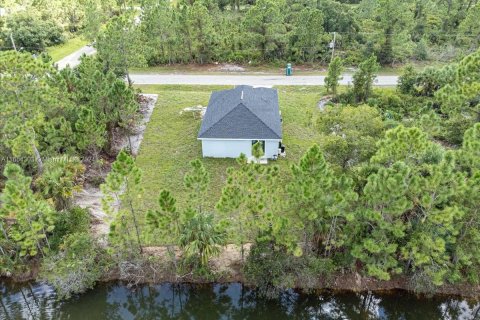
(133, 140)
(91, 196)
(229, 68)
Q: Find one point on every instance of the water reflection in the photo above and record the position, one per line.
(222, 301)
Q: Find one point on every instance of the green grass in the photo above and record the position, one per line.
(170, 140)
(61, 51)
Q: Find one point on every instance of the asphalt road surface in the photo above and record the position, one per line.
(252, 80)
(227, 79)
(74, 59)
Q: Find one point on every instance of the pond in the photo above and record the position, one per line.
(222, 301)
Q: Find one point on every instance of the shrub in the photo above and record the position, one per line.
(32, 33)
(68, 222)
(272, 271)
(76, 267)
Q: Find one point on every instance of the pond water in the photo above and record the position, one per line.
(222, 301)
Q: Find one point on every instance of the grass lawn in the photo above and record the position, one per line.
(61, 51)
(170, 140)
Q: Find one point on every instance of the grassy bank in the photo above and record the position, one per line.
(170, 140)
(61, 51)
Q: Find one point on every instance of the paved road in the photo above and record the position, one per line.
(74, 59)
(248, 80)
(227, 79)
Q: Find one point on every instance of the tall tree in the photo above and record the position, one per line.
(460, 94)
(167, 219)
(197, 181)
(203, 32)
(266, 30)
(34, 217)
(250, 198)
(363, 79)
(121, 189)
(335, 69)
(27, 94)
(395, 17)
(104, 100)
(120, 45)
(308, 43)
(321, 202)
(381, 224)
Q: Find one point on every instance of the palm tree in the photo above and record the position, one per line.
(201, 237)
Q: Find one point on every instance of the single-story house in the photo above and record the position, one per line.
(238, 118)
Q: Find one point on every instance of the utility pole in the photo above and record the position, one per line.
(13, 42)
(333, 44)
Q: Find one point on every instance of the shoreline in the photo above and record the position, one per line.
(157, 271)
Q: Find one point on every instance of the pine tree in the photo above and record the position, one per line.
(265, 27)
(363, 79)
(469, 154)
(320, 201)
(309, 43)
(335, 69)
(466, 250)
(120, 45)
(121, 188)
(167, 220)
(410, 145)
(460, 95)
(203, 32)
(34, 217)
(251, 202)
(89, 132)
(434, 221)
(105, 101)
(232, 202)
(380, 224)
(27, 94)
(197, 181)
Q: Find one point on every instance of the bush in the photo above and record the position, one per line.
(72, 221)
(75, 268)
(421, 50)
(32, 33)
(455, 128)
(408, 80)
(272, 271)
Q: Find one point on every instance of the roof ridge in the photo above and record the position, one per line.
(251, 112)
(201, 134)
(266, 125)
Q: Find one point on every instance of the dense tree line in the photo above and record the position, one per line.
(34, 25)
(298, 30)
(259, 31)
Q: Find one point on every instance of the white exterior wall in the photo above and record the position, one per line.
(271, 148)
(233, 148)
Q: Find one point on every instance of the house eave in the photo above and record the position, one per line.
(237, 139)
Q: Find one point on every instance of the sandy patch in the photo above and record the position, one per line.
(91, 196)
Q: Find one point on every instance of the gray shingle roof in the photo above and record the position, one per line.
(242, 113)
